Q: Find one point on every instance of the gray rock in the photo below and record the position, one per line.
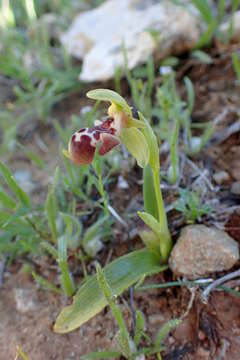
(200, 251)
(221, 177)
(97, 36)
(235, 189)
(25, 300)
(122, 183)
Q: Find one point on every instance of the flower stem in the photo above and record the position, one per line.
(166, 241)
(105, 205)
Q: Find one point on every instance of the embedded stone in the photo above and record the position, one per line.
(143, 26)
(201, 250)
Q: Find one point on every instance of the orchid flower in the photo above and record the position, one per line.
(140, 140)
(118, 127)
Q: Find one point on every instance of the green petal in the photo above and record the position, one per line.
(136, 144)
(111, 96)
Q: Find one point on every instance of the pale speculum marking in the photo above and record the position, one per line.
(83, 143)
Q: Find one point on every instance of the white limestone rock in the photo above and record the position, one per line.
(224, 28)
(97, 36)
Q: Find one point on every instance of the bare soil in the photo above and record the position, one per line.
(208, 331)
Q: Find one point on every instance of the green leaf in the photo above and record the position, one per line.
(151, 140)
(202, 56)
(37, 160)
(165, 330)
(151, 241)
(21, 353)
(205, 10)
(151, 222)
(120, 274)
(73, 230)
(13, 185)
(150, 201)
(92, 238)
(123, 336)
(136, 144)
(50, 207)
(190, 93)
(140, 326)
(160, 240)
(7, 201)
(18, 214)
(66, 278)
(50, 249)
(207, 36)
(236, 64)
(44, 283)
(111, 96)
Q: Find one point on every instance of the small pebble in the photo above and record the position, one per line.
(122, 183)
(201, 250)
(86, 109)
(221, 177)
(171, 340)
(201, 335)
(235, 189)
(25, 300)
(157, 318)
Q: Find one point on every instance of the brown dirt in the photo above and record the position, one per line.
(208, 332)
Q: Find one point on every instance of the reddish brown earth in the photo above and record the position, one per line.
(209, 331)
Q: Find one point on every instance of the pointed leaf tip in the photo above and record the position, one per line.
(120, 274)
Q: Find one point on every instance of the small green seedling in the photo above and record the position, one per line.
(20, 354)
(175, 124)
(191, 206)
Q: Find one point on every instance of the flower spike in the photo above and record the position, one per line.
(120, 126)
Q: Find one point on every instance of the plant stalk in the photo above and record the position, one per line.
(166, 241)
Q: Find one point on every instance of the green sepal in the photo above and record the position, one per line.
(135, 142)
(111, 96)
(135, 123)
